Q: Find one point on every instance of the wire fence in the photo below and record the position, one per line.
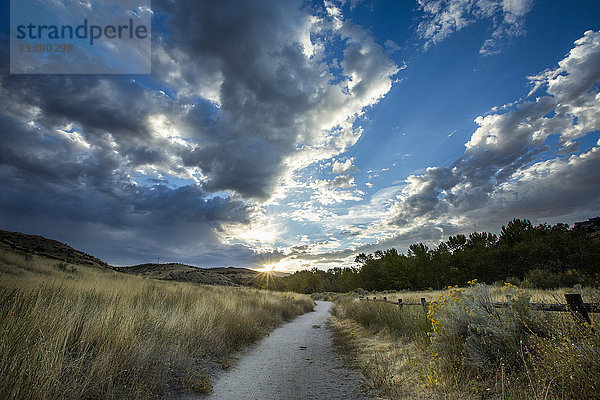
(574, 304)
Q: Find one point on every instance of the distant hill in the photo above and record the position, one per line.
(48, 248)
(53, 249)
(229, 276)
(186, 273)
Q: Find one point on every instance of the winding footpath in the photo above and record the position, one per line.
(296, 361)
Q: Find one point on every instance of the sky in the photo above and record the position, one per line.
(296, 134)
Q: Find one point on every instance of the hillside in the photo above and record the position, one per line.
(49, 248)
(53, 249)
(186, 273)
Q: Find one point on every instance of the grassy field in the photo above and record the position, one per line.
(462, 348)
(84, 332)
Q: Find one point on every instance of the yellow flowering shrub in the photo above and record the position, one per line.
(469, 331)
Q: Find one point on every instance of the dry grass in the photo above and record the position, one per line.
(537, 295)
(392, 365)
(78, 332)
(400, 357)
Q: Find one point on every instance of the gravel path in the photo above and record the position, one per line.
(296, 361)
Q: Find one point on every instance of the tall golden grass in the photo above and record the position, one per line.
(77, 332)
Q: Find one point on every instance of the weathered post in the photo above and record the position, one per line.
(400, 303)
(577, 308)
(424, 304)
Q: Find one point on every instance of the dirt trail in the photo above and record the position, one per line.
(296, 361)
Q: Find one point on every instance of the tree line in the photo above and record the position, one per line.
(542, 256)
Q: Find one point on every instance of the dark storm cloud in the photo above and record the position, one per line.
(69, 147)
(236, 91)
(272, 96)
(265, 84)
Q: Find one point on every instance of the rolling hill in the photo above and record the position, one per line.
(53, 249)
(187, 273)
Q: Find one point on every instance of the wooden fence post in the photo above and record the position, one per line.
(424, 304)
(577, 308)
(400, 303)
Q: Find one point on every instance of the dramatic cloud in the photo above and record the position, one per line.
(441, 18)
(242, 94)
(509, 167)
(278, 108)
(521, 162)
(241, 147)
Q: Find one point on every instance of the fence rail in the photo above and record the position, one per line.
(574, 305)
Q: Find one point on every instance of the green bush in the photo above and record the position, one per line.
(542, 279)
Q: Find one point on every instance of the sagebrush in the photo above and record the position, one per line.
(474, 350)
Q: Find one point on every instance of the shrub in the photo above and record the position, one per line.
(475, 350)
(65, 267)
(513, 280)
(360, 291)
(317, 296)
(325, 296)
(542, 279)
(470, 333)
